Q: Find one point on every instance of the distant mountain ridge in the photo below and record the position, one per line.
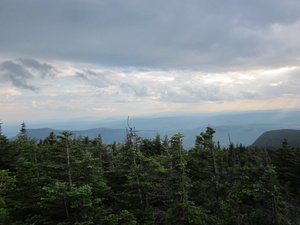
(240, 127)
(237, 134)
(274, 138)
(108, 135)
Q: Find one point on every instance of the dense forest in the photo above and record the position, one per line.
(67, 180)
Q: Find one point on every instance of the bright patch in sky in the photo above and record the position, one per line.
(218, 79)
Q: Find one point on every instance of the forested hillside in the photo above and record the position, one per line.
(274, 138)
(67, 180)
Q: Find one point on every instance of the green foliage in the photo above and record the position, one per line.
(68, 180)
(7, 185)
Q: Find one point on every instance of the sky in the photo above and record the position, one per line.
(103, 58)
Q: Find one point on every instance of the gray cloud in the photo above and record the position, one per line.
(23, 70)
(81, 76)
(43, 69)
(17, 75)
(98, 79)
(212, 36)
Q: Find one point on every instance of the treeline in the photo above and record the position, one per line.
(67, 180)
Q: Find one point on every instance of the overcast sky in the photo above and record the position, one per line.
(80, 58)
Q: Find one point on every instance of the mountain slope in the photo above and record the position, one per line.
(274, 138)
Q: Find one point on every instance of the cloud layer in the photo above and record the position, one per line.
(102, 85)
(183, 35)
(132, 57)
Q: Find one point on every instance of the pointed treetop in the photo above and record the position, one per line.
(23, 128)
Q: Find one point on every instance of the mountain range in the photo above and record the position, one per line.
(237, 127)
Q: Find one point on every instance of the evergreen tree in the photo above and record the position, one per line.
(68, 180)
(7, 185)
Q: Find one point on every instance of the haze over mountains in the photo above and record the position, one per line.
(240, 127)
